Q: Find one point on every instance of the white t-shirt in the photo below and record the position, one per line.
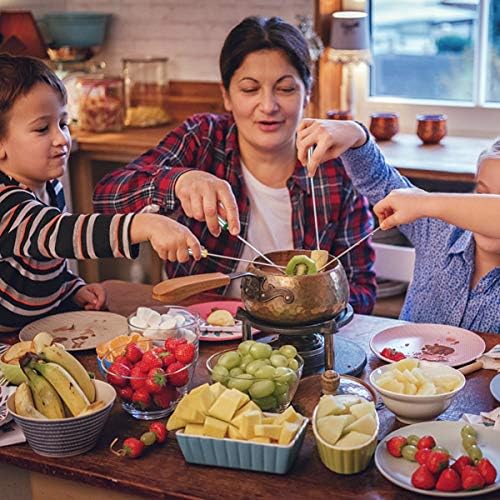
(270, 223)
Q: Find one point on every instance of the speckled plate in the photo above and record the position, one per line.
(495, 387)
(80, 330)
(455, 346)
(447, 434)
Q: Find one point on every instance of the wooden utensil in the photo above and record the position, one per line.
(485, 362)
(313, 194)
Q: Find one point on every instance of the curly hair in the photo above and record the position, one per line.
(492, 152)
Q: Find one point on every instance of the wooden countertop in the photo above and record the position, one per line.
(163, 473)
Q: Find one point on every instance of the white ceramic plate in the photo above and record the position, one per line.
(495, 387)
(457, 345)
(79, 330)
(447, 434)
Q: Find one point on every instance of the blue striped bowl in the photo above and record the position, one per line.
(235, 454)
(66, 437)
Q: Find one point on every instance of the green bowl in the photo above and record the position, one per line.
(345, 460)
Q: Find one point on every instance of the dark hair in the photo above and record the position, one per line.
(18, 75)
(259, 33)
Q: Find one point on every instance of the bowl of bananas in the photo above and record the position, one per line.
(59, 408)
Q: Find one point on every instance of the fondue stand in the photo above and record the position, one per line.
(315, 342)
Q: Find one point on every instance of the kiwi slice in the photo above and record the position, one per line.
(300, 265)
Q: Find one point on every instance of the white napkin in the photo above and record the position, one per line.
(10, 432)
(490, 418)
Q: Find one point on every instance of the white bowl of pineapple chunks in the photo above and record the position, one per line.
(346, 428)
(416, 390)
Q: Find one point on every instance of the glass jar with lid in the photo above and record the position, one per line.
(100, 103)
(146, 89)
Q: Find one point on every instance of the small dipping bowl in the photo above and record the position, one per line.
(431, 128)
(384, 126)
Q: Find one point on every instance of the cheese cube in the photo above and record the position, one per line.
(288, 432)
(226, 405)
(217, 389)
(244, 399)
(214, 427)
(248, 422)
(268, 430)
(289, 415)
(248, 407)
(189, 414)
(261, 439)
(268, 420)
(194, 429)
(233, 432)
(202, 399)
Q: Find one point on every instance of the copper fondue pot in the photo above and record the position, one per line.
(269, 295)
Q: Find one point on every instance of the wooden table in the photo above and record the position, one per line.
(162, 473)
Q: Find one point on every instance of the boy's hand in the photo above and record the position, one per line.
(400, 206)
(90, 297)
(330, 139)
(171, 240)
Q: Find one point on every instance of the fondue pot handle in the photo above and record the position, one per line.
(173, 290)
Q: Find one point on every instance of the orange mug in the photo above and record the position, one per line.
(431, 128)
(384, 126)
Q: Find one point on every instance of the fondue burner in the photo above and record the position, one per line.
(314, 342)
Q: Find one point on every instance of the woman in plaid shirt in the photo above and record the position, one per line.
(246, 162)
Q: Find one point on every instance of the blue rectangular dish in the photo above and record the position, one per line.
(235, 454)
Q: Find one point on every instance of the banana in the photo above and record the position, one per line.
(57, 354)
(40, 341)
(23, 401)
(46, 399)
(65, 385)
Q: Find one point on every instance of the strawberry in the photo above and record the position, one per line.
(168, 358)
(423, 478)
(160, 430)
(172, 342)
(133, 352)
(117, 374)
(422, 456)
(426, 442)
(122, 360)
(133, 447)
(460, 463)
(487, 470)
(125, 393)
(155, 381)
(178, 374)
(151, 360)
(472, 478)
(392, 354)
(395, 444)
(141, 398)
(449, 480)
(437, 461)
(137, 377)
(165, 397)
(185, 353)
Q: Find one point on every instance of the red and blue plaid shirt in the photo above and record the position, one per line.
(209, 142)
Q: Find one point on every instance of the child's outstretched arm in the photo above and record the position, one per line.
(478, 213)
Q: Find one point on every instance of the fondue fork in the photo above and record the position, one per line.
(205, 253)
(311, 180)
(349, 249)
(224, 225)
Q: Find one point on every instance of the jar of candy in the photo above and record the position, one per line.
(146, 90)
(100, 104)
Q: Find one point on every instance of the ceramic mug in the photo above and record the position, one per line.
(384, 126)
(431, 128)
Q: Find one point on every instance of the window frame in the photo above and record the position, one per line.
(472, 119)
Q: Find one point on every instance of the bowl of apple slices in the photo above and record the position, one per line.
(416, 390)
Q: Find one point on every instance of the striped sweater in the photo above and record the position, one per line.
(35, 241)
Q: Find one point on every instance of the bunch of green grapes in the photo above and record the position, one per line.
(265, 374)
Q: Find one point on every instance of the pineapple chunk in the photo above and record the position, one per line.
(267, 430)
(268, 420)
(329, 405)
(406, 364)
(226, 405)
(427, 389)
(410, 377)
(353, 439)
(398, 375)
(214, 427)
(366, 425)
(419, 375)
(360, 409)
(175, 422)
(288, 431)
(194, 429)
(390, 385)
(409, 388)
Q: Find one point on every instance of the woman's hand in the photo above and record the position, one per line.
(401, 206)
(90, 297)
(330, 138)
(203, 196)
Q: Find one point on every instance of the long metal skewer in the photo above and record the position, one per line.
(224, 225)
(206, 253)
(349, 249)
(311, 180)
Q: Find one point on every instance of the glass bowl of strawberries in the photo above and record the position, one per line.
(151, 376)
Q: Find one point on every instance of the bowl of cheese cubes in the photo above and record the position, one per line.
(223, 427)
(416, 390)
(345, 427)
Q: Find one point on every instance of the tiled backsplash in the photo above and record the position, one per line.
(189, 32)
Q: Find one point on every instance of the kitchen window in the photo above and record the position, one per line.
(434, 56)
